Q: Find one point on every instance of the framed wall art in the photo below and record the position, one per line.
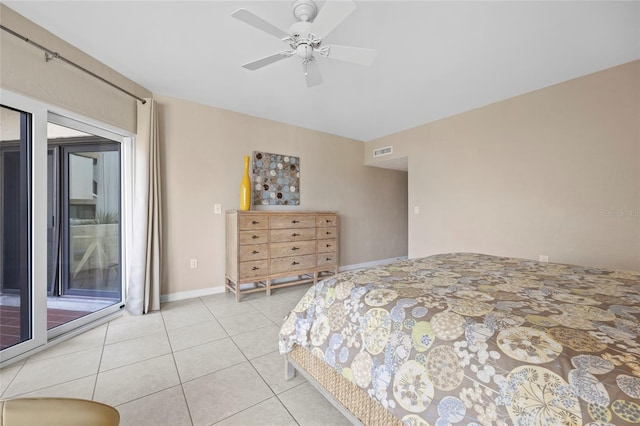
(276, 179)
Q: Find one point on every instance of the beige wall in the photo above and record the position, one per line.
(547, 173)
(24, 70)
(202, 160)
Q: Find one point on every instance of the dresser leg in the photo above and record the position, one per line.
(268, 286)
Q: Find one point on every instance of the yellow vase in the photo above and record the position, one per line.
(245, 187)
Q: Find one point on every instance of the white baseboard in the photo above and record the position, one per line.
(370, 264)
(181, 295)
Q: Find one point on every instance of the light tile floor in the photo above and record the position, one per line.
(200, 361)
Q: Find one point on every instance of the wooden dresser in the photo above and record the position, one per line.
(278, 249)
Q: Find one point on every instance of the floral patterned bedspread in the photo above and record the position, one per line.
(475, 339)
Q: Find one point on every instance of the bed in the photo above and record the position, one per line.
(473, 339)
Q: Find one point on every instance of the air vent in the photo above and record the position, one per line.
(382, 151)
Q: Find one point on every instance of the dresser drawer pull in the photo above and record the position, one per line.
(254, 222)
(255, 252)
(255, 237)
(295, 221)
(328, 220)
(295, 248)
(295, 263)
(328, 233)
(327, 259)
(295, 234)
(255, 268)
(328, 245)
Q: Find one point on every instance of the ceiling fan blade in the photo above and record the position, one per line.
(249, 18)
(259, 63)
(331, 15)
(356, 55)
(312, 74)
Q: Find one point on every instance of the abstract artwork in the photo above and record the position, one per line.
(276, 179)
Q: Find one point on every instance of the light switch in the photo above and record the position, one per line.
(416, 209)
(217, 208)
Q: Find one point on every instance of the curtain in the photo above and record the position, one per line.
(145, 263)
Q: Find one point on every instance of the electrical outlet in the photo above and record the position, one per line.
(217, 208)
(543, 258)
(416, 210)
(194, 263)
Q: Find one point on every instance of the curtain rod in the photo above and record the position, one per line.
(50, 54)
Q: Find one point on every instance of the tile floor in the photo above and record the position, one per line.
(200, 361)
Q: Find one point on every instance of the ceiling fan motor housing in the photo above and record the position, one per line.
(300, 29)
(304, 42)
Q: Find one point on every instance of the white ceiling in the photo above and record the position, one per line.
(435, 59)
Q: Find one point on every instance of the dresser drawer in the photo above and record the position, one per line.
(255, 268)
(323, 220)
(292, 263)
(292, 248)
(279, 235)
(293, 221)
(253, 237)
(253, 252)
(327, 246)
(328, 232)
(253, 221)
(327, 259)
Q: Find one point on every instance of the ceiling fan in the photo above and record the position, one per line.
(305, 37)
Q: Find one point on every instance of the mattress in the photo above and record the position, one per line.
(466, 338)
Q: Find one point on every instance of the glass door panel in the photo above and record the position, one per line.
(15, 189)
(84, 245)
(93, 221)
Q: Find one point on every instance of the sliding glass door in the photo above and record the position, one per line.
(62, 201)
(16, 291)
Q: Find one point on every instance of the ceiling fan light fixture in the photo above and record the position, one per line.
(304, 51)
